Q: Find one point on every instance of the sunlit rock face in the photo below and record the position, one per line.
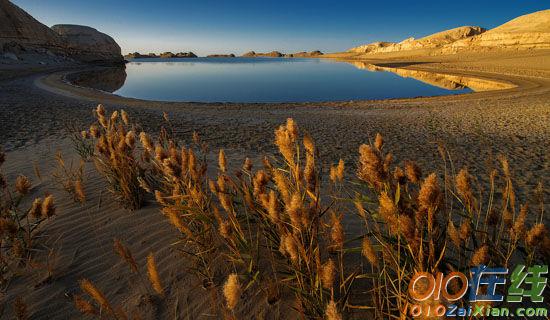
(89, 45)
(530, 31)
(436, 40)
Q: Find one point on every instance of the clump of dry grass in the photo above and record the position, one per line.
(101, 306)
(274, 212)
(413, 225)
(116, 157)
(70, 178)
(81, 141)
(18, 226)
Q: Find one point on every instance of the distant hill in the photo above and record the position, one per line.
(530, 31)
(436, 40)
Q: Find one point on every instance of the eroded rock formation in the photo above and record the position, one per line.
(24, 38)
(436, 40)
(88, 45)
(530, 31)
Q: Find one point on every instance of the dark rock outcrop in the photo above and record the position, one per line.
(178, 55)
(137, 55)
(186, 55)
(167, 55)
(272, 54)
(221, 56)
(19, 30)
(277, 54)
(23, 36)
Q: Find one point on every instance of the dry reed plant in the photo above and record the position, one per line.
(414, 226)
(18, 226)
(81, 141)
(116, 157)
(70, 178)
(268, 223)
(100, 306)
(277, 229)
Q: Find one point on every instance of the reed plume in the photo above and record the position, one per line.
(428, 196)
(48, 207)
(413, 172)
(535, 236)
(36, 208)
(79, 191)
(387, 209)
(332, 312)
(153, 274)
(84, 306)
(125, 117)
(371, 169)
(465, 229)
(285, 141)
(328, 271)
(480, 256)
(222, 162)
(232, 291)
(369, 252)
(454, 234)
(337, 232)
(125, 254)
(378, 142)
(22, 185)
(96, 294)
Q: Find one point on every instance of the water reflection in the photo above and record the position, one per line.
(444, 81)
(272, 80)
(105, 79)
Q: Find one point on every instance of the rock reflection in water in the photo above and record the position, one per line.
(445, 81)
(108, 79)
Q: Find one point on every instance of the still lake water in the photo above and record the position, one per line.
(266, 80)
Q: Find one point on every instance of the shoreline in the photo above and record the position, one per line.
(57, 83)
(475, 126)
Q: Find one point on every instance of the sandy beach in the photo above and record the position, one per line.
(35, 108)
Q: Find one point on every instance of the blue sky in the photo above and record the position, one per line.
(208, 26)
